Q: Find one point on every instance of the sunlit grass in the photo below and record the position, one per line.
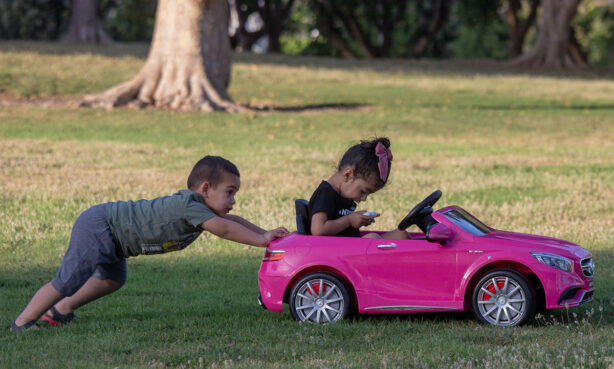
(522, 152)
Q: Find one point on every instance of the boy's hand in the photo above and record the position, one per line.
(275, 233)
(358, 219)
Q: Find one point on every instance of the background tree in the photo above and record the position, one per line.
(555, 40)
(129, 20)
(31, 19)
(188, 67)
(381, 28)
(244, 38)
(517, 25)
(433, 16)
(274, 14)
(84, 23)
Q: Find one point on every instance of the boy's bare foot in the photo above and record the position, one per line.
(28, 326)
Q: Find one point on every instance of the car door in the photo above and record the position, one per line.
(410, 275)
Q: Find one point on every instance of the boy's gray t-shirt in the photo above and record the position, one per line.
(164, 224)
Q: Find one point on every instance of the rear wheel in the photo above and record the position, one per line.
(503, 297)
(319, 298)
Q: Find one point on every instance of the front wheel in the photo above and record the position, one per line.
(319, 298)
(503, 297)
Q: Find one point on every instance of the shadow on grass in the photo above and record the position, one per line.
(551, 105)
(226, 285)
(464, 317)
(314, 108)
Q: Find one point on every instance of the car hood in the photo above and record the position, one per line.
(546, 244)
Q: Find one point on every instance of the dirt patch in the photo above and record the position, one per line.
(8, 100)
(45, 102)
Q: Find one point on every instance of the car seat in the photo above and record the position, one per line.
(303, 222)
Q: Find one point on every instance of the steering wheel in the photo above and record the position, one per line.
(424, 208)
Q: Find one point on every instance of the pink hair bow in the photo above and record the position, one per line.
(385, 157)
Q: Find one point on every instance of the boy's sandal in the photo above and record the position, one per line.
(29, 325)
(55, 318)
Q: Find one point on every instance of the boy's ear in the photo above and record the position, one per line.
(204, 187)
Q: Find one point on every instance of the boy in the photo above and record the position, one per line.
(105, 235)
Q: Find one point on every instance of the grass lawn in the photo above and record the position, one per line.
(524, 152)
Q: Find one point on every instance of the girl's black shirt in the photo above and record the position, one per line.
(326, 199)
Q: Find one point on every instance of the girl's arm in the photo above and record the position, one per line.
(321, 226)
(233, 231)
(245, 223)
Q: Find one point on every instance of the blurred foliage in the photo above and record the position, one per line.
(384, 28)
(593, 26)
(32, 19)
(473, 28)
(481, 31)
(129, 20)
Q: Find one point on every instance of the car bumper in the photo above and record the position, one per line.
(564, 289)
(273, 278)
(271, 295)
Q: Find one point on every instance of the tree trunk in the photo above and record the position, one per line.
(551, 48)
(188, 67)
(84, 24)
(518, 29)
(274, 13)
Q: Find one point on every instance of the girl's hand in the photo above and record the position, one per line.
(358, 219)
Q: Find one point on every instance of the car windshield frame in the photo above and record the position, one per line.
(467, 222)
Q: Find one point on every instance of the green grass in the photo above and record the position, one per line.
(522, 151)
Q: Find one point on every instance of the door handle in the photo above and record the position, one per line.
(387, 246)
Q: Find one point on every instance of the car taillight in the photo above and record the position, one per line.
(272, 255)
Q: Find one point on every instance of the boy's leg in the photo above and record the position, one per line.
(93, 289)
(42, 300)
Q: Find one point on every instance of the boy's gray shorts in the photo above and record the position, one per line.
(91, 252)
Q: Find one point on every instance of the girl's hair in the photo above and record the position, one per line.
(362, 158)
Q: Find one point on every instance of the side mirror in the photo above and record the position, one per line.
(439, 233)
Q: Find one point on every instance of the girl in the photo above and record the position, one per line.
(363, 170)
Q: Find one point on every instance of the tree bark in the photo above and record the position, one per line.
(518, 29)
(188, 67)
(84, 24)
(551, 49)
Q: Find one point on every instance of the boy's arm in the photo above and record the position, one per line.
(245, 223)
(234, 231)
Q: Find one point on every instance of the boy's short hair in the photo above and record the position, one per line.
(210, 169)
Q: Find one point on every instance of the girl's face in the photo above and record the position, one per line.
(356, 188)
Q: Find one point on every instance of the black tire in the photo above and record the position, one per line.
(319, 298)
(503, 297)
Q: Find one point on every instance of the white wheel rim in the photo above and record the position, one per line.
(319, 301)
(502, 301)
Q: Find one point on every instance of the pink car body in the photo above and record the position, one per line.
(441, 273)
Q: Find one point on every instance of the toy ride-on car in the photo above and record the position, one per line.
(457, 263)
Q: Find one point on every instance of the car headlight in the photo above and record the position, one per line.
(553, 260)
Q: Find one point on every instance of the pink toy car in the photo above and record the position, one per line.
(457, 263)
